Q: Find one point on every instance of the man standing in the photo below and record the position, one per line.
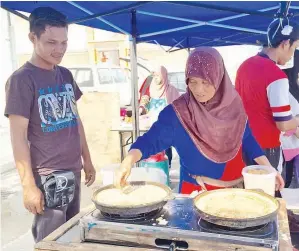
(47, 134)
(264, 89)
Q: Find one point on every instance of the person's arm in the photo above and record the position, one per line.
(278, 96)
(295, 111)
(254, 152)
(90, 172)
(84, 146)
(287, 125)
(19, 101)
(144, 101)
(122, 174)
(33, 197)
(250, 146)
(159, 137)
(263, 161)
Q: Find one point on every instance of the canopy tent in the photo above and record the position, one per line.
(177, 24)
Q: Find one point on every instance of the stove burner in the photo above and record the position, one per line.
(258, 231)
(144, 217)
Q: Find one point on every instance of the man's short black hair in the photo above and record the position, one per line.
(281, 30)
(45, 16)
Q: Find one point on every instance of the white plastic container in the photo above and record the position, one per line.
(107, 174)
(137, 174)
(265, 182)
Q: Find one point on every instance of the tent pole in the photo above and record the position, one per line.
(78, 6)
(177, 44)
(196, 23)
(284, 8)
(12, 42)
(134, 76)
(214, 7)
(109, 13)
(188, 45)
(16, 13)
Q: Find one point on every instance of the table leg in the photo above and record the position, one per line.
(121, 146)
(128, 141)
(137, 163)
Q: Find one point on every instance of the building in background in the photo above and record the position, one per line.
(88, 46)
(8, 56)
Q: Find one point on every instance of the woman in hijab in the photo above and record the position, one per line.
(207, 126)
(156, 95)
(159, 93)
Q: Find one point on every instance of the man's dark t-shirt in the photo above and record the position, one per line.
(48, 99)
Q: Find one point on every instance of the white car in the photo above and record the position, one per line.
(103, 78)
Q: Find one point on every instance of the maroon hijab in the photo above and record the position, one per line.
(216, 127)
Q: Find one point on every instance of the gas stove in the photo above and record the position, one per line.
(177, 226)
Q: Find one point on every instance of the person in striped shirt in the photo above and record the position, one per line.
(264, 89)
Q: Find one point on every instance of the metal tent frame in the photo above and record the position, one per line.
(135, 10)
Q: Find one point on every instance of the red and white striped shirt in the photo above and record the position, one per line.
(264, 89)
(278, 96)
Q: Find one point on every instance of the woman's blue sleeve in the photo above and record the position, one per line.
(159, 137)
(251, 148)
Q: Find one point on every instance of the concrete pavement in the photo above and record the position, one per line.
(15, 219)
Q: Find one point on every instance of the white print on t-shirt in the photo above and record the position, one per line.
(57, 108)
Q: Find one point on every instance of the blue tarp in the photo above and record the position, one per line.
(239, 22)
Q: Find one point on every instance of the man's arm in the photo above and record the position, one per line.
(90, 173)
(85, 150)
(278, 96)
(33, 197)
(287, 125)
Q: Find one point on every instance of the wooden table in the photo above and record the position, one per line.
(122, 130)
(67, 237)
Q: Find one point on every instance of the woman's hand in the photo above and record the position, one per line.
(140, 110)
(121, 175)
(279, 182)
(262, 160)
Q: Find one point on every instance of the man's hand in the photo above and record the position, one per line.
(33, 200)
(33, 197)
(90, 173)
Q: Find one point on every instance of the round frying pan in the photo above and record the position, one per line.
(125, 211)
(233, 222)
